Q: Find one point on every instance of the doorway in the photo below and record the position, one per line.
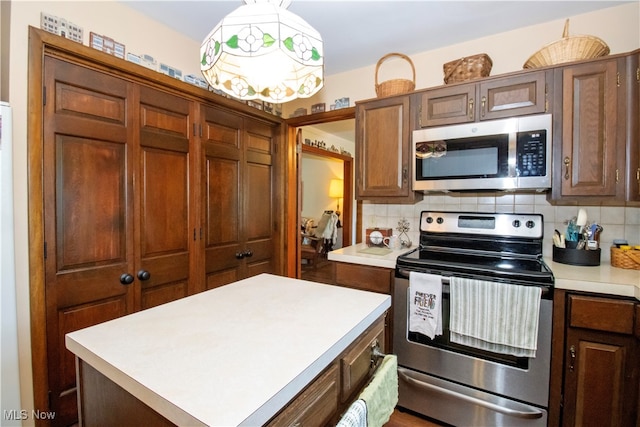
(333, 124)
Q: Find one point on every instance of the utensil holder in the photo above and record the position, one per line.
(581, 257)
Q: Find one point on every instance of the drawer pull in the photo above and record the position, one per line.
(376, 354)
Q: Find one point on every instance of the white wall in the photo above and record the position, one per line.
(618, 26)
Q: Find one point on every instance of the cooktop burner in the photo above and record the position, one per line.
(496, 246)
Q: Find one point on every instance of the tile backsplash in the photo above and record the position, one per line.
(617, 222)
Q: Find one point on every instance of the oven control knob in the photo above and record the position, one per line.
(439, 220)
(530, 224)
(516, 223)
(429, 220)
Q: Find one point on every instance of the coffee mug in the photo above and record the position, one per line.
(392, 242)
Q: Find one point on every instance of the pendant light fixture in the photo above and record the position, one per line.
(263, 51)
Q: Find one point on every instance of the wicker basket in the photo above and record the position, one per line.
(568, 49)
(629, 258)
(395, 86)
(467, 68)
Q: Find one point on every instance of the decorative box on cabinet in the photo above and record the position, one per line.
(384, 166)
(489, 99)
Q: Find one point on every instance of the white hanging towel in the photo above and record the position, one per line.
(425, 305)
(497, 317)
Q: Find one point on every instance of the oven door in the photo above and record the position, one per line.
(440, 371)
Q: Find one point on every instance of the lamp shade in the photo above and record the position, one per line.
(336, 188)
(263, 51)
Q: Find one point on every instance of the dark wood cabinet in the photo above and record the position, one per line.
(89, 222)
(384, 166)
(369, 278)
(118, 167)
(238, 197)
(165, 197)
(486, 100)
(133, 175)
(600, 367)
(589, 143)
(633, 127)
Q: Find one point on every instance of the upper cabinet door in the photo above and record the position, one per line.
(383, 151)
(589, 139)
(447, 105)
(513, 96)
(633, 127)
(489, 99)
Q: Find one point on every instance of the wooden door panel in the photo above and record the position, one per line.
(90, 207)
(222, 201)
(221, 278)
(258, 199)
(158, 295)
(87, 220)
(381, 170)
(589, 138)
(513, 96)
(166, 174)
(165, 202)
(448, 105)
(222, 209)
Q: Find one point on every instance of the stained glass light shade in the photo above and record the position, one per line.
(263, 51)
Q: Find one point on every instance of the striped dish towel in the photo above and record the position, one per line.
(497, 317)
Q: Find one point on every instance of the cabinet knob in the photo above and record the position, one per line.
(483, 105)
(126, 279)
(144, 275)
(567, 162)
(248, 253)
(239, 255)
(471, 109)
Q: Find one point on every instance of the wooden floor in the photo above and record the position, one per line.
(401, 418)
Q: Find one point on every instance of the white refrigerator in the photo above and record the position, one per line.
(11, 413)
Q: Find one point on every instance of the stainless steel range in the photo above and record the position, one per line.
(464, 384)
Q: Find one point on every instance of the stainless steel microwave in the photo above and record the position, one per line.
(508, 154)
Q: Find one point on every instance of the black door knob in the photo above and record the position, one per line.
(248, 253)
(239, 255)
(144, 275)
(126, 279)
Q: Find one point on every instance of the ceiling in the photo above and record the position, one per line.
(357, 33)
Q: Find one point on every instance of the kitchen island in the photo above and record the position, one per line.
(234, 355)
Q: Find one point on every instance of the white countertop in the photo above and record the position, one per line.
(234, 355)
(603, 279)
(352, 254)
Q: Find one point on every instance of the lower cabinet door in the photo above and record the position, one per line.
(316, 406)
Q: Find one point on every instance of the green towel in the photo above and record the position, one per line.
(381, 395)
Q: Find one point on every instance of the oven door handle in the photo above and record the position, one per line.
(489, 405)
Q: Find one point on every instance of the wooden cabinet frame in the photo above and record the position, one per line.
(43, 44)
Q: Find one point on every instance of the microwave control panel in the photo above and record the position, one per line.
(531, 153)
